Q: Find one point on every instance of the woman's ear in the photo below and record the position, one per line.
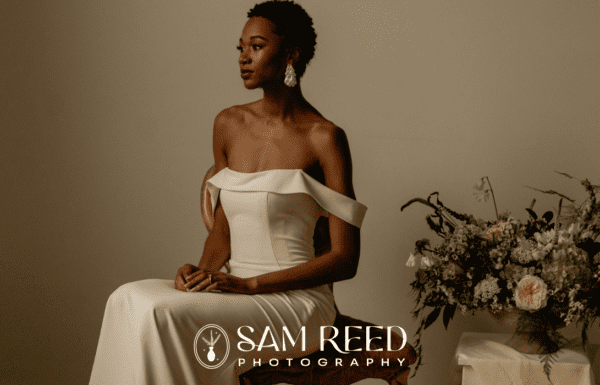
(293, 54)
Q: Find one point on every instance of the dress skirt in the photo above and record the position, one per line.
(149, 331)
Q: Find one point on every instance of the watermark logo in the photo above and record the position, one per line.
(211, 346)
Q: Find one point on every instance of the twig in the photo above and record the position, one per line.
(493, 197)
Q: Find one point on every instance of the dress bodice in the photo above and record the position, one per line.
(272, 216)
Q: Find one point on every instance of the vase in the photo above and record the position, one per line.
(530, 339)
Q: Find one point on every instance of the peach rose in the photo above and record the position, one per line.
(531, 293)
(497, 229)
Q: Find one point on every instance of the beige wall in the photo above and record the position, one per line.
(106, 110)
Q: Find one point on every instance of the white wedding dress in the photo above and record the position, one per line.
(149, 329)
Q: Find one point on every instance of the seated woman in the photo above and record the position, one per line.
(280, 166)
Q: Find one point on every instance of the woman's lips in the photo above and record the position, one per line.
(246, 74)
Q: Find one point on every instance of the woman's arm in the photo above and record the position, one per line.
(340, 263)
(217, 247)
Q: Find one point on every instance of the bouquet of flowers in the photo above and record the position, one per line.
(548, 268)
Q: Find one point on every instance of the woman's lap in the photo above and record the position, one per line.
(152, 326)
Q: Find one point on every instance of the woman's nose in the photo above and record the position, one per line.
(243, 59)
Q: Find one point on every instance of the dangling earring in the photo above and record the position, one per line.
(290, 76)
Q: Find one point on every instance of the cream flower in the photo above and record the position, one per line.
(575, 228)
(411, 260)
(426, 262)
(537, 255)
(482, 195)
(487, 289)
(479, 185)
(546, 237)
(531, 293)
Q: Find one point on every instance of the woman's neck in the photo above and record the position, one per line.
(283, 102)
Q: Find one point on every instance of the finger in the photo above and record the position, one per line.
(180, 284)
(209, 279)
(211, 275)
(191, 275)
(194, 275)
(197, 280)
(214, 286)
(216, 276)
(199, 286)
(194, 281)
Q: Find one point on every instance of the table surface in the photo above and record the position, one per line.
(483, 358)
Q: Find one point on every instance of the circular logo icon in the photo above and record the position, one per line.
(211, 346)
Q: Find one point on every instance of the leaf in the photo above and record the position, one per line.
(448, 314)
(564, 174)
(548, 215)
(432, 317)
(552, 192)
(423, 243)
(417, 200)
(591, 188)
(548, 360)
(432, 225)
(532, 214)
(584, 334)
(591, 248)
(462, 217)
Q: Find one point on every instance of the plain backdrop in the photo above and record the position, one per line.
(106, 114)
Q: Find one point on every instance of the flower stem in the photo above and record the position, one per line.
(493, 197)
(558, 219)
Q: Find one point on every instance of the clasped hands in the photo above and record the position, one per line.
(191, 279)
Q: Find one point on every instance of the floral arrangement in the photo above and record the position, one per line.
(547, 268)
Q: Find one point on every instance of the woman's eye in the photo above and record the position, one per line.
(256, 47)
(239, 48)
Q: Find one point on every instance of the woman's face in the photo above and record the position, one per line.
(260, 60)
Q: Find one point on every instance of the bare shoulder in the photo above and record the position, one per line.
(226, 127)
(235, 116)
(325, 137)
(330, 143)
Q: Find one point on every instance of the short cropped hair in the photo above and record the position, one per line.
(293, 24)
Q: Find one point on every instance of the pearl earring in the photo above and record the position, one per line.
(290, 76)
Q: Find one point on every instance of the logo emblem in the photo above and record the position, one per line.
(211, 346)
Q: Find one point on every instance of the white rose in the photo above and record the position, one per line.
(531, 293)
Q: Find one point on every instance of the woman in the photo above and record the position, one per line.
(280, 165)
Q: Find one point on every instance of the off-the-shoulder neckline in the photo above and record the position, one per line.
(275, 169)
(286, 181)
(283, 169)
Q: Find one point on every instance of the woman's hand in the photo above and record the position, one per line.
(216, 280)
(183, 272)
